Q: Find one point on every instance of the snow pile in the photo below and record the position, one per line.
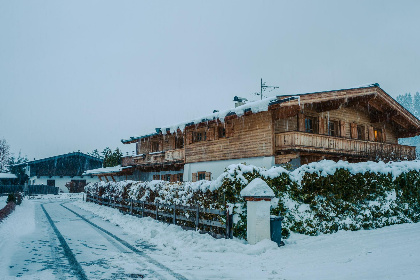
(257, 188)
(329, 167)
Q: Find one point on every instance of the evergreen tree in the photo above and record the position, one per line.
(112, 158)
(416, 104)
(95, 153)
(19, 171)
(4, 155)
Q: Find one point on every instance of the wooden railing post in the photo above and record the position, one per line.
(197, 217)
(157, 211)
(174, 216)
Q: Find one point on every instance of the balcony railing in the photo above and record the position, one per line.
(301, 141)
(156, 157)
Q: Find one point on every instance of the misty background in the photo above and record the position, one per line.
(82, 75)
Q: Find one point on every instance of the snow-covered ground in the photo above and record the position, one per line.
(3, 201)
(29, 248)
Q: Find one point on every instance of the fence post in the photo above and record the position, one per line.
(131, 206)
(197, 217)
(258, 196)
(157, 211)
(174, 216)
(227, 223)
(142, 209)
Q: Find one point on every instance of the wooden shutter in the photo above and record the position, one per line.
(353, 130)
(383, 135)
(189, 137)
(342, 128)
(210, 133)
(208, 176)
(301, 122)
(321, 124)
(229, 129)
(194, 177)
(371, 134)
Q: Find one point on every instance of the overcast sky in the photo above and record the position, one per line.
(82, 75)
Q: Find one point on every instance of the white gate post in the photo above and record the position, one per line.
(258, 196)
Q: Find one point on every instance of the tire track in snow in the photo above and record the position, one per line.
(74, 264)
(129, 246)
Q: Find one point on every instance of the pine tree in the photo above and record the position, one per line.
(4, 155)
(416, 104)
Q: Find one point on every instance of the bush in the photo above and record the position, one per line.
(321, 197)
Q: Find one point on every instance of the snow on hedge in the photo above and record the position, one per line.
(320, 197)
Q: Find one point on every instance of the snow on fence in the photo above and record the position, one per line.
(5, 189)
(191, 216)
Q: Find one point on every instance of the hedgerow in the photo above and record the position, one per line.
(321, 197)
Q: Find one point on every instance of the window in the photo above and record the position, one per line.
(222, 132)
(310, 125)
(51, 183)
(166, 177)
(180, 177)
(156, 177)
(333, 128)
(155, 147)
(200, 136)
(360, 132)
(179, 142)
(201, 175)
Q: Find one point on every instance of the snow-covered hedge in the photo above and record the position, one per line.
(320, 197)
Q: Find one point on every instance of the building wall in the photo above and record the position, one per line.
(60, 182)
(218, 167)
(247, 136)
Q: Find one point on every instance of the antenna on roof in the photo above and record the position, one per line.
(263, 88)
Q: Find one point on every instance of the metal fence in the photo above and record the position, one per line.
(217, 223)
(29, 190)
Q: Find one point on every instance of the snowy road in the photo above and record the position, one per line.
(67, 245)
(86, 241)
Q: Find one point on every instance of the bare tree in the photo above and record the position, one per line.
(4, 155)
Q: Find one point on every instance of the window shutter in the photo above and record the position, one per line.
(194, 177)
(208, 176)
(353, 130)
(229, 129)
(342, 128)
(189, 137)
(383, 135)
(210, 134)
(321, 124)
(371, 134)
(301, 122)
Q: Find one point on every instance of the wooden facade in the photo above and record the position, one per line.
(355, 124)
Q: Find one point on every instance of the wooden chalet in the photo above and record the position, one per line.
(357, 124)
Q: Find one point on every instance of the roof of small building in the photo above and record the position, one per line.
(7, 176)
(105, 170)
(59, 156)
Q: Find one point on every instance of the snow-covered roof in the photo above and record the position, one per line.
(7, 176)
(59, 156)
(105, 170)
(254, 107)
(257, 188)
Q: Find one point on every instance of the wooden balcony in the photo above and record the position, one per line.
(164, 157)
(324, 144)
